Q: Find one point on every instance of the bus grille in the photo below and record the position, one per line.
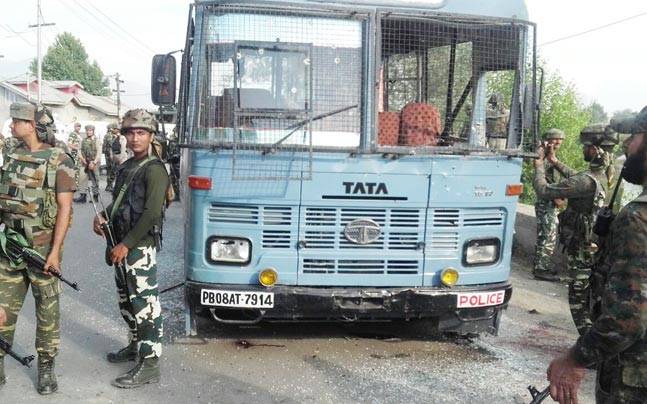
(324, 228)
(360, 266)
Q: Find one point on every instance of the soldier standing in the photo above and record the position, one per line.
(106, 148)
(496, 122)
(136, 216)
(546, 214)
(586, 192)
(38, 207)
(74, 144)
(616, 342)
(89, 158)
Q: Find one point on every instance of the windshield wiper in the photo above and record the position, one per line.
(300, 124)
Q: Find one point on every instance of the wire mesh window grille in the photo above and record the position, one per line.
(451, 82)
(273, 85)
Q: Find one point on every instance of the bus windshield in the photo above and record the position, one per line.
(265, 74)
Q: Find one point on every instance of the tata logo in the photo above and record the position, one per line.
(362, 231)
(365, 188)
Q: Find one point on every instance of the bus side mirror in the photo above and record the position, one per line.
(163, 80)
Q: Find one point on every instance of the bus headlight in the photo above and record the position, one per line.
(481, 252)
(229, 250)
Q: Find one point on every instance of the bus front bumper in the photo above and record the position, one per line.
(465, 309)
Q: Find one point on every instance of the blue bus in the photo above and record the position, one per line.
(352, 160)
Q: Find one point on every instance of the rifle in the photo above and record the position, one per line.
(17, 250)
(24, 360)
(538, 396)
(106, 227)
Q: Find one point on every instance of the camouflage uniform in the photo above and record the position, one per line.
(134, 221)
(106, 150)
(616, 342)
(9, 146)
(74, 145)
(586, 192)
(90, 152)
(496, 122)
(28, 188)
(546, 215)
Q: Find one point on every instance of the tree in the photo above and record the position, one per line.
(598, 114)
(623, 114)
(67, 59)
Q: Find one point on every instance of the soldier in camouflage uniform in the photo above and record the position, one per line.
(90, 159)
(136, 216)
(546, 213)
(106, 148)
(36, 190)
(74, 145)
(496, 122)
(586, 192)
(616, 343)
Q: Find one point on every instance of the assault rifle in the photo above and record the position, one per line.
(24, 360)
(17, 250)
(538, 396)
(108, 232)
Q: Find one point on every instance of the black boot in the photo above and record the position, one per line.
(128, 353)
(80, 199)
(95, 197)
(46, 377)
(145, 371)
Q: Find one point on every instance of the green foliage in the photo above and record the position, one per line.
(598, 114)
(67, 59)
(560, 108)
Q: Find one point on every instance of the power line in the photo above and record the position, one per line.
(101, 21)
(594, 29)
(7, 28)
(102, 31)
(120, 27)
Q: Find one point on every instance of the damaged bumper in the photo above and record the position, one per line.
(470, 309)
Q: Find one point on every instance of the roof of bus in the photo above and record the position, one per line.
(490, 8)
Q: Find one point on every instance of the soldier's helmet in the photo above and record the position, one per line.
(138, 119)
(87, 127)
(112, 125)
(599, 135)
(554, 133)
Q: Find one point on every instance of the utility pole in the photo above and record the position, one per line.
(118, 81)
(38, 25)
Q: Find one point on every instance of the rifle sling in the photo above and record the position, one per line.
(126, 185)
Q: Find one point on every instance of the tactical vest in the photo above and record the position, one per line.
(27, 190)
(116, 145)
(132, 205)
(576, 222)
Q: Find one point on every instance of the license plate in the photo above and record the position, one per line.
(480, 299)
(227, 298)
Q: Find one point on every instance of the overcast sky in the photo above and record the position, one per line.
(606, 65)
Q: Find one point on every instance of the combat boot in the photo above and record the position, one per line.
(146, 371)
(46, 377)
(125, 354)
(3, 379)
(80, 199)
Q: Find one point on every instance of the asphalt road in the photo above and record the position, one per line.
(324, 363)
